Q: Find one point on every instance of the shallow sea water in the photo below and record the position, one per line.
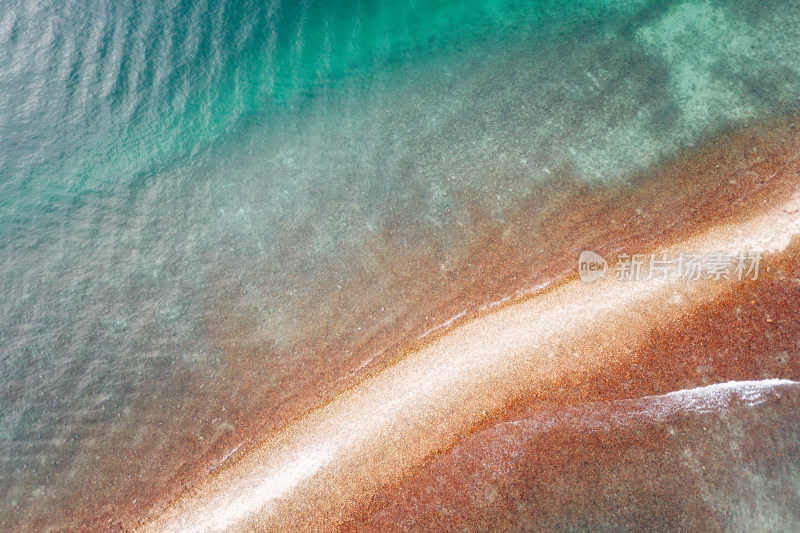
(216, 215)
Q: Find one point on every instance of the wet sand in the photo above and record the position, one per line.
(615, 466)
(379, 419)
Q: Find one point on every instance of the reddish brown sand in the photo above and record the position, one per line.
(581, 469)
(744, 332)
(647, 476)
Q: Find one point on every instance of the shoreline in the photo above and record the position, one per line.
(460, 391)
(198, 265)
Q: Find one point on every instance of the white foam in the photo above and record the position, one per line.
(711, 398)
(714, 397)
(442, 325)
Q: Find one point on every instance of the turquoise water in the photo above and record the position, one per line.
(168, 168)
(97, 89)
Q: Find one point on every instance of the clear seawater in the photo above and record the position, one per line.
(182, 183)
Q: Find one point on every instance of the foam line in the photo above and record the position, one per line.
(711, 398)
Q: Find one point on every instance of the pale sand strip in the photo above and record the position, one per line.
(311, 474)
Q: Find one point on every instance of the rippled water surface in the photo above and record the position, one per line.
(213, 214)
